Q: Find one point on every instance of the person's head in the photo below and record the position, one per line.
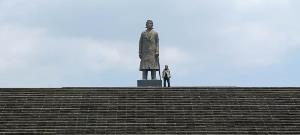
(166, 67)
(149, 24)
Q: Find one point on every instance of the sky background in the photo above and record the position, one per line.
(70, 43)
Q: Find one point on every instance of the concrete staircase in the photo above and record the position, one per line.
(179, 110)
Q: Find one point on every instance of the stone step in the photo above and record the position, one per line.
(180, 110)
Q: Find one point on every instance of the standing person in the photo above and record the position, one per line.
(166, 75)
(149, 51)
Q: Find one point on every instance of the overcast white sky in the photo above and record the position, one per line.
(58, 43)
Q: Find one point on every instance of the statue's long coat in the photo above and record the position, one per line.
(148, 48)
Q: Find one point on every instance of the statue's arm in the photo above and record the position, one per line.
(141, 45)
(157, 44)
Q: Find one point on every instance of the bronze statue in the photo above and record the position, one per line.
(149, 51)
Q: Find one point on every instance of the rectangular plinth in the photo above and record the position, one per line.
(149, 83)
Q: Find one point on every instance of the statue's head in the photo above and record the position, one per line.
(149, 24)
(166, 67)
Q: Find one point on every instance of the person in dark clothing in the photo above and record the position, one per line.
(166, 75)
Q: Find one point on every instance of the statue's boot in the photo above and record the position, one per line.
(145, 75)
(153, 74)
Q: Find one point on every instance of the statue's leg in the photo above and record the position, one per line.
(153, 74)
(145, 75)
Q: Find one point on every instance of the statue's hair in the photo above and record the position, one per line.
(148, 21)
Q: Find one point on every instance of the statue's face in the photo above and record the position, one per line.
(149, 25)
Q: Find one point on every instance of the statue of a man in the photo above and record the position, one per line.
(149, 51)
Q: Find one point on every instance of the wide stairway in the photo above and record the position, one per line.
(178, 110)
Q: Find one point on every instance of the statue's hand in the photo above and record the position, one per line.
(156, 54)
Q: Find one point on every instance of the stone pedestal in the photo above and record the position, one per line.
(149, 83)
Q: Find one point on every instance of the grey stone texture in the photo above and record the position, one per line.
(177, 110)
(149, 83)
